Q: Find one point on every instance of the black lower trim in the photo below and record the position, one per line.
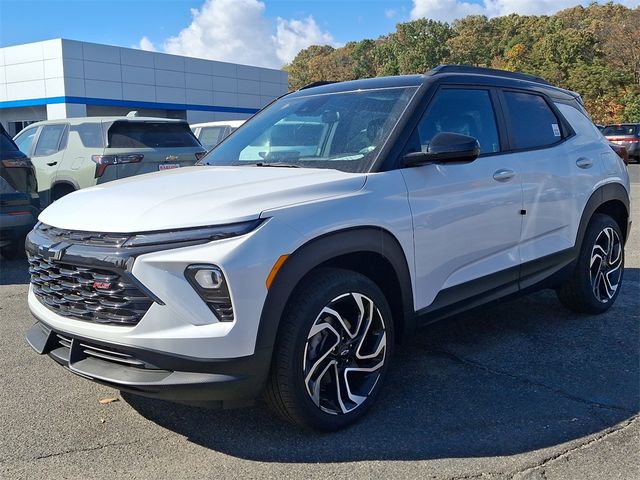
(544, 272)
(193, 381)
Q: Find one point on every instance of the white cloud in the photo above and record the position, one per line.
(238, 31)
(294, 35)
(390, 13)
(444, 10)
(448, 10)
(146, 44)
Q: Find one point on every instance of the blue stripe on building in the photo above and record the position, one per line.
(34, 102)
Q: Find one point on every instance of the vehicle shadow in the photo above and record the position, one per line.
(14, 272)
(501, 380)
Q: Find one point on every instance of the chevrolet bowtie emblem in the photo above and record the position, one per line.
(52, 252)
(171, 158)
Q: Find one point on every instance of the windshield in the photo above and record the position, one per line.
(343, 131)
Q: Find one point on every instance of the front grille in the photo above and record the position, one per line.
(95, 295)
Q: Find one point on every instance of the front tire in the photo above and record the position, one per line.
(333, 351)
(595, 283)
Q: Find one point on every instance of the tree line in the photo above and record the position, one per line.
(592, 50)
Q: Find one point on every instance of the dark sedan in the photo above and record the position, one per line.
(19, 200)
(627, 135)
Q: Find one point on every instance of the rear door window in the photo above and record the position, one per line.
(150, 135)
(49, 140)
(90, 134)
(531, 121)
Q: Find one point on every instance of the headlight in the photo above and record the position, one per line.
(209, 282)
(192, 234)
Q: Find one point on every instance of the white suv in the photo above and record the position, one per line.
(294, 274)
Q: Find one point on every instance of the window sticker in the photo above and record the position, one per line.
(556, 129)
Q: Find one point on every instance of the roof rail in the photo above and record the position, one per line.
(486, 71)
(317, 84)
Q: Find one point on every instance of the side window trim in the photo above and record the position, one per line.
(565, 128)
(64, 138)
(497, 113)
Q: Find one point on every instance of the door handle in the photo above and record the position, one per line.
(503, 175)
(583, 162)
(51, 164)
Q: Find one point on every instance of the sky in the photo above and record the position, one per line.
(259, 32)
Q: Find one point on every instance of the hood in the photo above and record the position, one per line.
(194, 196)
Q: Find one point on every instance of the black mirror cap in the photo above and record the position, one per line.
(446, 147)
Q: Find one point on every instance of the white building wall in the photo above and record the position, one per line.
(65, 74)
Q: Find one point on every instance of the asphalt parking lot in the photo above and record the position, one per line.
(522, 390)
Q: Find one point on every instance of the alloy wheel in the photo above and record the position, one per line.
(606, 265)
(344, 354)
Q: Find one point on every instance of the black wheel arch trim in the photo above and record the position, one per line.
(606, 193)
(66, 181)
(367, 239)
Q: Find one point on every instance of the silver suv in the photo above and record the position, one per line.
(76, 153)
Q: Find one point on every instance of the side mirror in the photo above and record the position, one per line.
(446, 147)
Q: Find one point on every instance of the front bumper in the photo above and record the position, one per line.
(223, 383)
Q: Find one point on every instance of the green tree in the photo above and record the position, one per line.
(593, 50)
(421, 45)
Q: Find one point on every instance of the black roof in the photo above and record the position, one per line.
(462, 74)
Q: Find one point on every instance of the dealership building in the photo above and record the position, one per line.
(65, 78)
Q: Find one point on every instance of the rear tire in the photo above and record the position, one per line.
(596, 280)
(333, 350)
(60, 191)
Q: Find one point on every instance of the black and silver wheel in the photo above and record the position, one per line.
(598, 275)
(333, 351)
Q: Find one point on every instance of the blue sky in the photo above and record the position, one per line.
(259, 32)
(124, 22)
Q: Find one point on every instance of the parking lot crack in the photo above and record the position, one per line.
(540, 466)
(98, 447)
(555, 390)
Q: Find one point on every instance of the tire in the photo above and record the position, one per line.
(13, 251)
(596, 280)
(302, 388)
(60, 191)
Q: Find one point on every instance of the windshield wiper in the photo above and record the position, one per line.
(276, 164)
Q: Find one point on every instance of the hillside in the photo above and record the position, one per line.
(594, 51)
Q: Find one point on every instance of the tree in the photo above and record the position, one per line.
(299, 72)
(472, 42)
(592, 50)
(421, 45)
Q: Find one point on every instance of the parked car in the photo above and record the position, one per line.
(19, 202)
(621, 151)
(627, 135)
(295, 277)
(298, 137)
(212, 133)
(77, 153)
